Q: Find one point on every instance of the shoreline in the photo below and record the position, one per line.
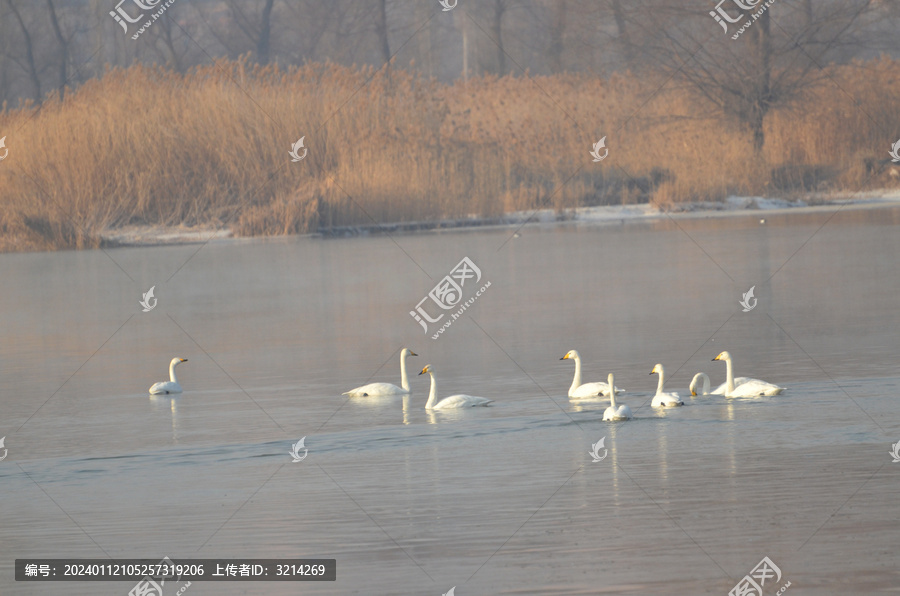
(733, 206)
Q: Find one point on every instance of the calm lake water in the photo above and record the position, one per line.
(498, 500)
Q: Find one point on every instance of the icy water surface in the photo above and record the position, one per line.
(498, 500)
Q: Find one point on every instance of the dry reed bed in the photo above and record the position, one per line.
(146, 146)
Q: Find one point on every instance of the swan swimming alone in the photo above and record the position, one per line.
(577, 390)
(170, 386)
(662, 399)
(614, 412)
(454, 401)
(748, 388)
(386, 388)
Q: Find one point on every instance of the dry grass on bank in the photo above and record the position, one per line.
(146, 146)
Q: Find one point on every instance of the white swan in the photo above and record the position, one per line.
(662, 399)
(695, 384)
(454, 401)
(748, 388)
(720, 390)
(386, 388)
(170, 386)
(577, 390)
(613, 412)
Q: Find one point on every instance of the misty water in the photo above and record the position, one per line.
(497, 500)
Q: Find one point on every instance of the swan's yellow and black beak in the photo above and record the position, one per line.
(426, 369)
(183, 359)
(693, 392)
(566, 357)
(411, 353)
(714, 359)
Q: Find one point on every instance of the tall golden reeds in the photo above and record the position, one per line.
(147, 146)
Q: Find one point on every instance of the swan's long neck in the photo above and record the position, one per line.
(432, 395)
(729, 377)
(172, 366)
(612, 391)
(576, 382)
(662, 381)
(404, 380)
(705, 387)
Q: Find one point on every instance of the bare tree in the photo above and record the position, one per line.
(757, 68)
(258, 29)
(499, 7)
(164, 34)
(557, 35)
(622, 30)
(30, 65)
(6, 90)
(381, 30)
(63, 49)
(265, 33)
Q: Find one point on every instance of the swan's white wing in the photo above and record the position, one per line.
(376, 389)
(720, 390)
(666, 400)
(461, 401)
(754, 388)
(593, 390)
(165, 387)
(590, 390)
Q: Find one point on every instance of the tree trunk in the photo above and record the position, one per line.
(63, 50)
(762, 42)
(622, 31)
(465, 44)
(428, 46)
(557, 33)
(496, 30)
(173, 58)
(381, 30)
(29, 53)
(265, 34)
